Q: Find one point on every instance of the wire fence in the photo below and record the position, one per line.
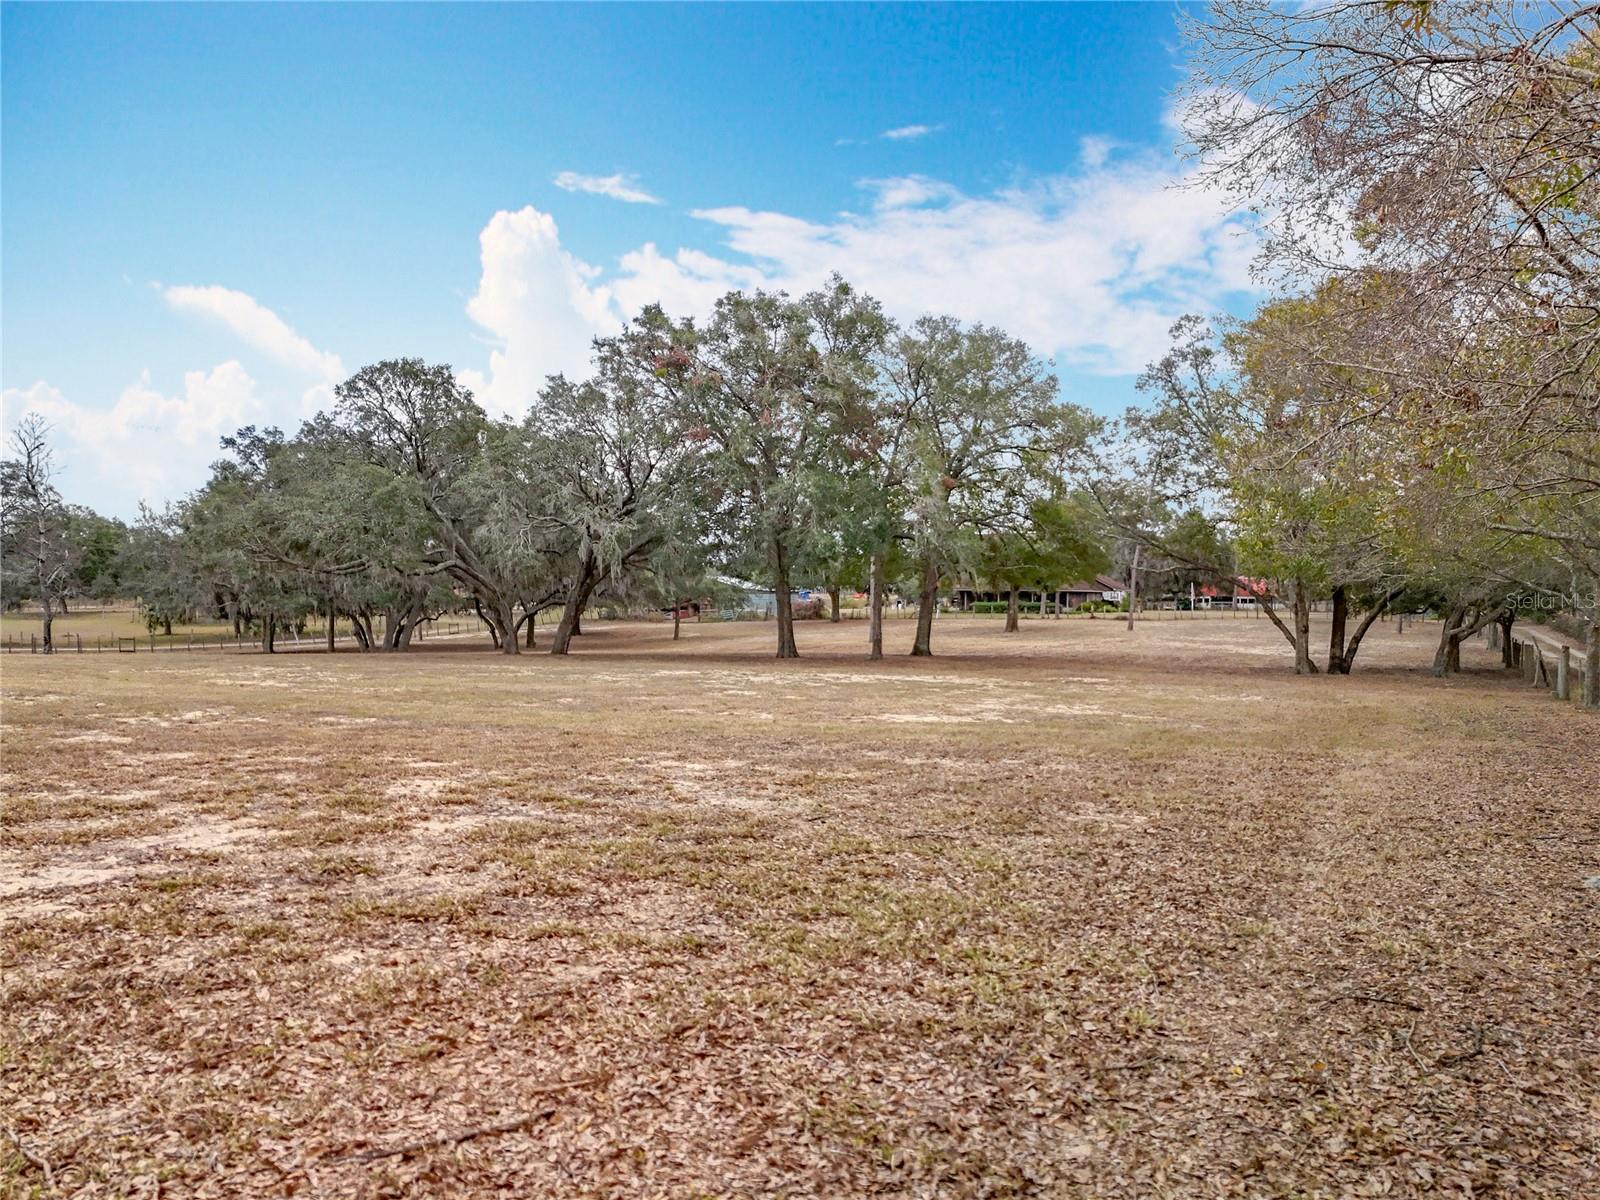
(313, 637)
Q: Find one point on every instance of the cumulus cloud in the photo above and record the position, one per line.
(539, 303)
(257, 325)
(148, 446)
(619, 187)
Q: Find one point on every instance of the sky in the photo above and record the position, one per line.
(212, 214)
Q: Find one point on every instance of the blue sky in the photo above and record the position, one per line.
(211, 213)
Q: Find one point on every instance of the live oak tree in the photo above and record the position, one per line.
(418, 423)
(987, 432)
(1059, 542)
(101, 543)
(624, 479)
(762, 385)
(157, 570)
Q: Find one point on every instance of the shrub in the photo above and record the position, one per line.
(999, 606)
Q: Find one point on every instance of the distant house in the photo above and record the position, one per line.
(1243, 593)
(1068, 596)
(1101, 587)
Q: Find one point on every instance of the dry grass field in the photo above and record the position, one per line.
(1070, 913)
(96, 624)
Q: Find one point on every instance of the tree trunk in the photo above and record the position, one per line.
(577, 597)
(1303, 665)
(332, 616)
(1591, 667)
(1348, 658)
(502, 622)
(1506, 620)
(677, 618)
(505, 615)
(1133, 585)
(47, 620)
(785, 602)
(1336, 651)
(875, 608)
(391, 630)
(1011, 610)
(927, 598)
(833, 604)
(1447, 656)
(408, 626)
(269, 631)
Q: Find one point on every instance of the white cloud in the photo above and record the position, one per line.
(148, 445)
(619, 187)
(1095, 151)
(535, 299)
(1090, 268)
(689, 282)
(259, 326)
(907, 191)
(905, 133)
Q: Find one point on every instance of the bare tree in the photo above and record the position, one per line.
(1445, 160)
(40, 557)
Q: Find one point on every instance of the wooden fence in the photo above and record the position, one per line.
(1542, 663)
(288, 640)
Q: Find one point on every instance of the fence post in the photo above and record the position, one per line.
(80, 643)
(1591, 665)
(33, 643)
(1564, 673)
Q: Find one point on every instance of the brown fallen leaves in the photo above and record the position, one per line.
(1122, 917)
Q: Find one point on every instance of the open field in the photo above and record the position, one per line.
(1073, 912)
(91, 622)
